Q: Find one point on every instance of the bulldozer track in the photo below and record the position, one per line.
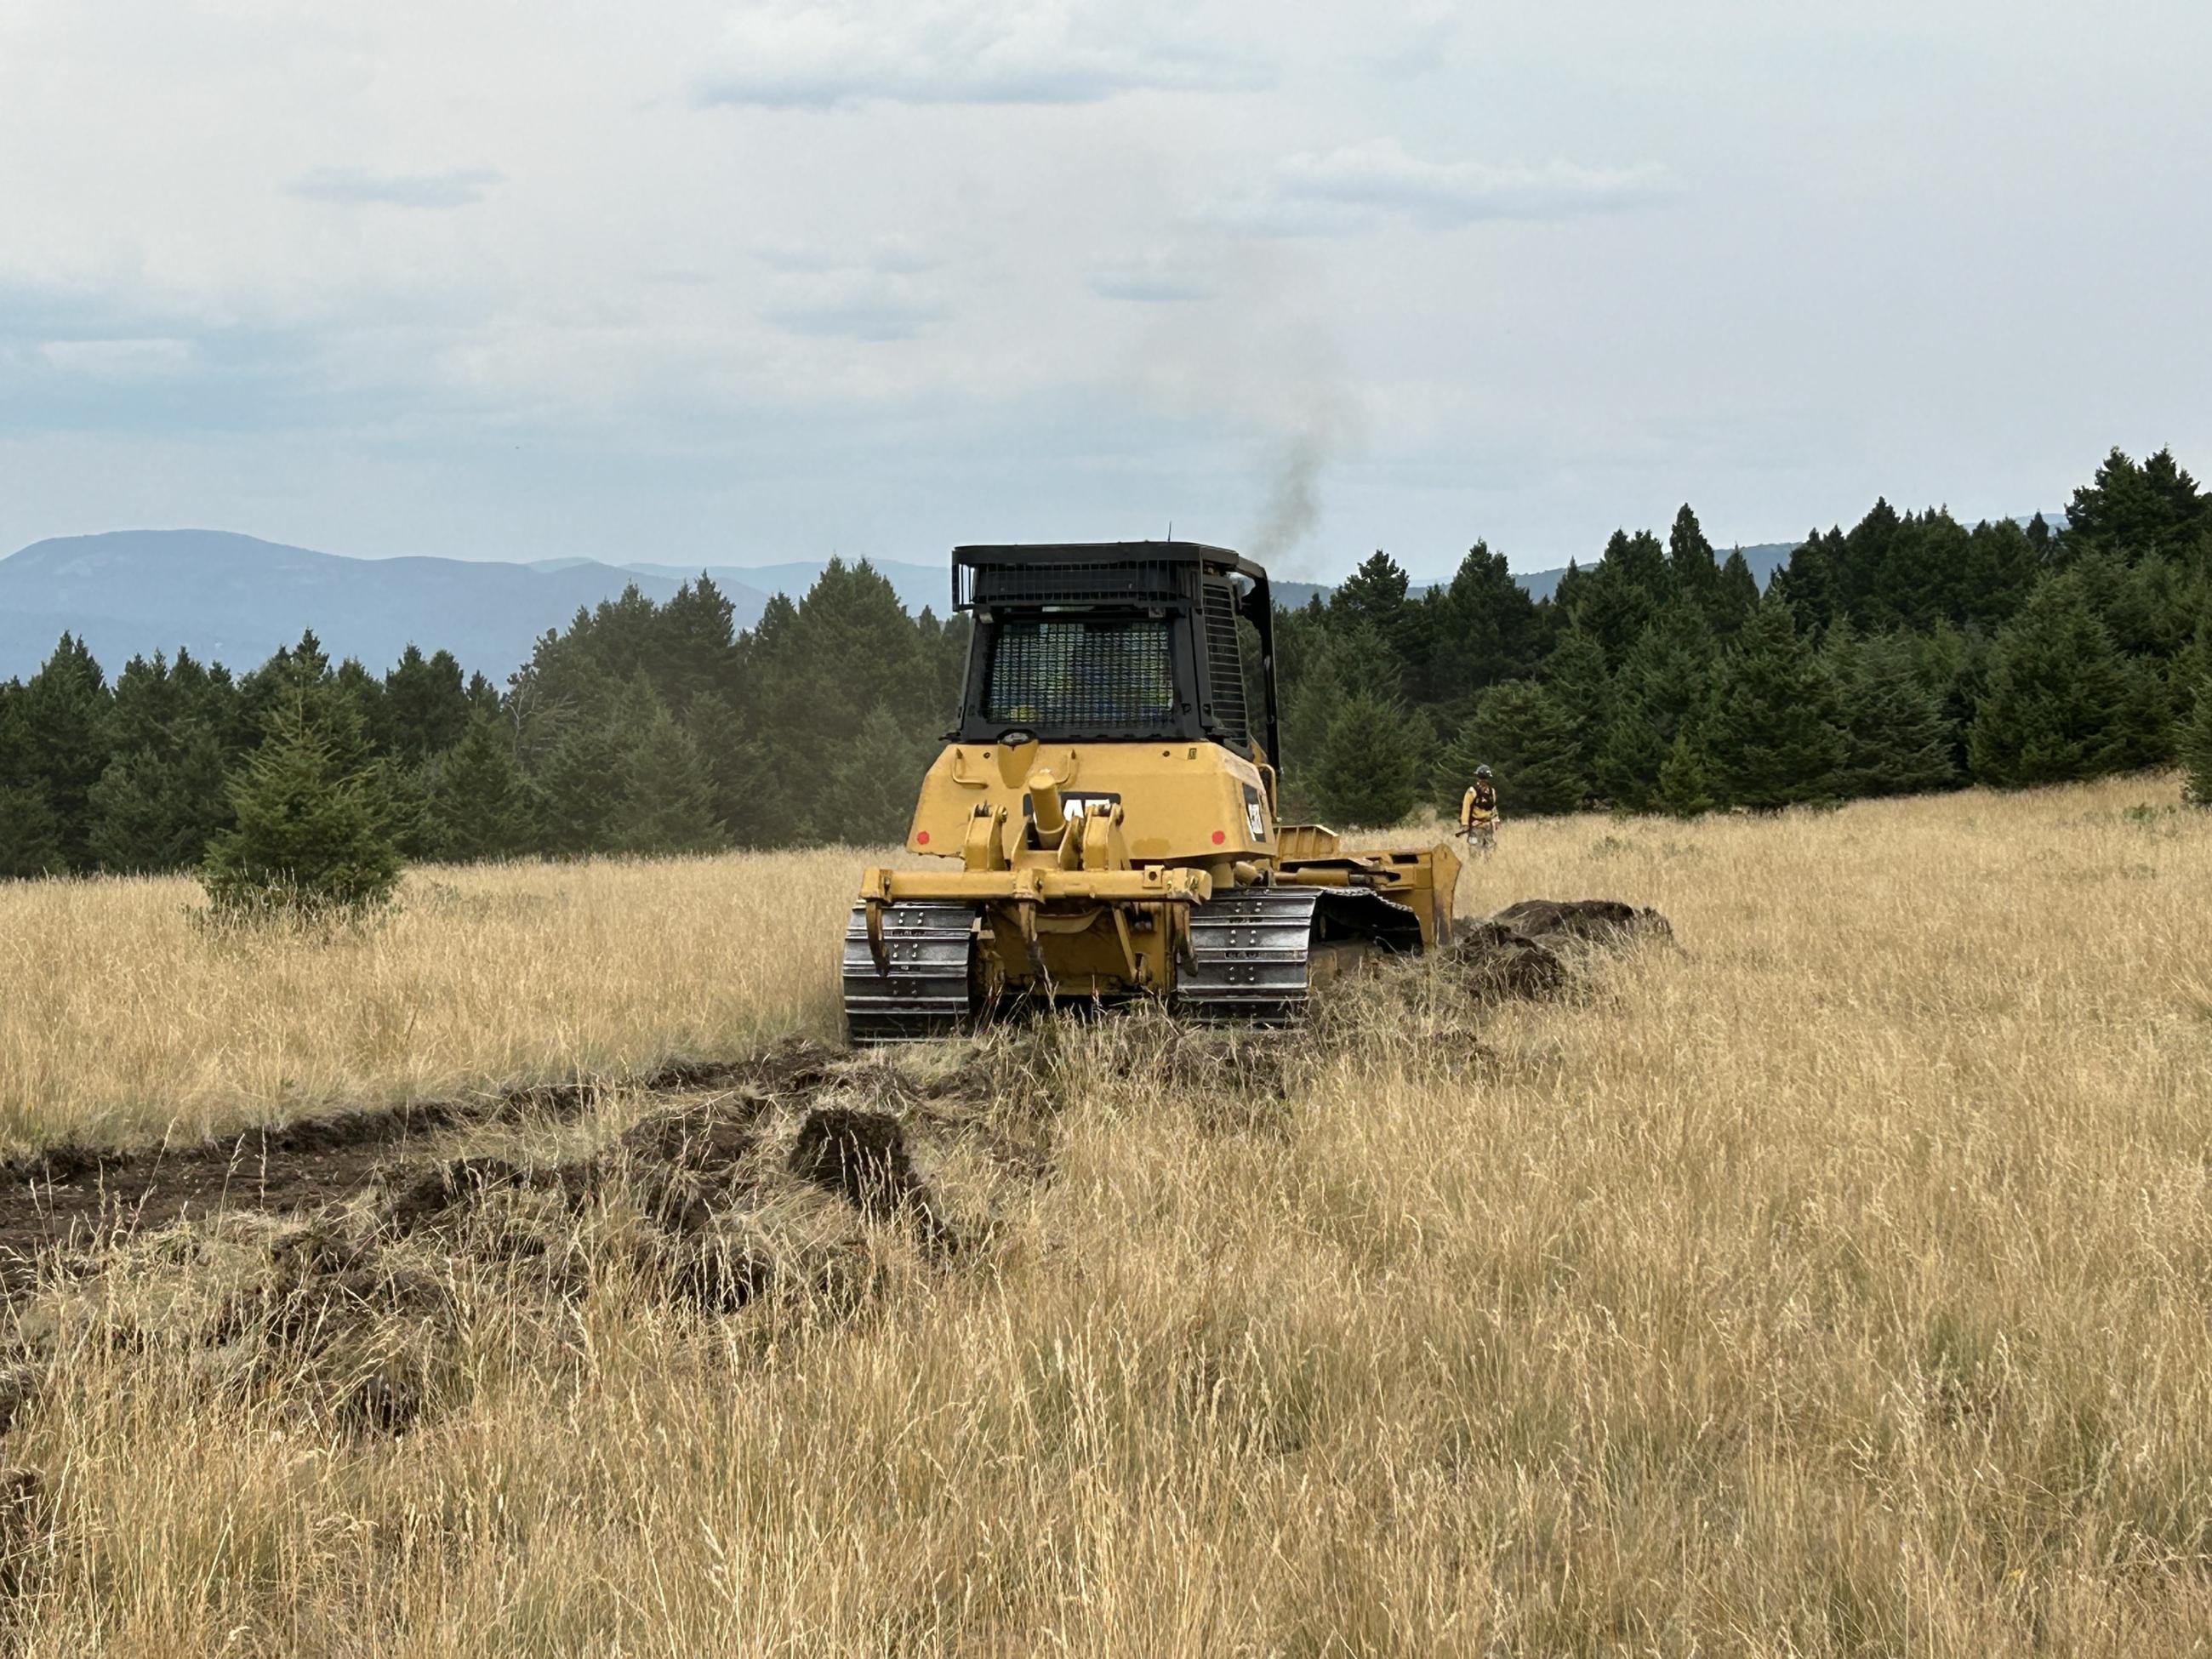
(1252, 957)
(923, 989)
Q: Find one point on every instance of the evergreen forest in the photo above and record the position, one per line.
(1909, 653)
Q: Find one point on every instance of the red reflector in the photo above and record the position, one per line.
(921, 837)
(1219, 835)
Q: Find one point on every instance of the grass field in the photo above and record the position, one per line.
(127, 1018)
(1837, 1282)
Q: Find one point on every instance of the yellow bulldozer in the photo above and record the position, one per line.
(1107, 810)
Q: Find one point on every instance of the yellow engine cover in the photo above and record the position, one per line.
(1182, 803)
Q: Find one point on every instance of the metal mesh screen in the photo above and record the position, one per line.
(1224, 667)
(1080, 675)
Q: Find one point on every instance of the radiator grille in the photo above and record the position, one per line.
(1080, 675)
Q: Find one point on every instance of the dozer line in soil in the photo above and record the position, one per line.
(1106, 812)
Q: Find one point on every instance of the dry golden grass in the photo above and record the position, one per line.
(124, 1017)
(1835, 1283)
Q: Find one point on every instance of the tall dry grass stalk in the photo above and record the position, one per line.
(1836, 1283)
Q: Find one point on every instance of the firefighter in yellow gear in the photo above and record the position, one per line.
(1478, 810)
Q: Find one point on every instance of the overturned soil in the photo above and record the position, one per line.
(77, 1197)
(334, 1263)
(701, 1148)
(1537, 947)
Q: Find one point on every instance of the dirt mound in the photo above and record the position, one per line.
(861, 1154)
(1495, 962)
(1604, 923)
(1534, 948)
(359, 1328)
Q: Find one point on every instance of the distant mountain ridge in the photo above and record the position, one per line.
(235, 599)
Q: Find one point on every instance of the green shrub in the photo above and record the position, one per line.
(311, 839)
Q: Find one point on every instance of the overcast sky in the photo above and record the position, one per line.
(695, 282)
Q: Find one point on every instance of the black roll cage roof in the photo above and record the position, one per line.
(1118, 573)
(1050, 553)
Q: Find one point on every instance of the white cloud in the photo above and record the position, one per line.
(357, 187)
(119, 360)
(890, 255)
(859, 318)
(1359, 186)
(852, 302)
(1153, 279)
(916, 294)
(845, 53)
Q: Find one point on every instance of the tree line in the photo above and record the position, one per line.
(1910, 653)
(639, 728)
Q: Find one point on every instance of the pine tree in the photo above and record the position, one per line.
(479, 803)
(1628, 762)
(1736, 595)
(874, 784)
(30, 835)
(1520, 730)
(403, 792)
(1664, 688)
(752, 815)
(1855, 561)
(697, 642)
(1370, 763)
(2146, 734)
(164, 795)
(1954, 668)
(344, 705)
(30, 844)
(2196, 746)
(669, 804)
(582, 787)
(1896, 739)
(1912, 577)
(1481, 629)
(426, 707)
(1575, 674)
(1813, 581)
(1685, 791)
(2059, 704)
(2001, 564)
(1310, 684)
(2187, 672)
(156, 809)
(1692, 566)
(309, 840)
(63, 712)
(1374, 594)
(1773, 738)
(2135, 512)
(1624, 591)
